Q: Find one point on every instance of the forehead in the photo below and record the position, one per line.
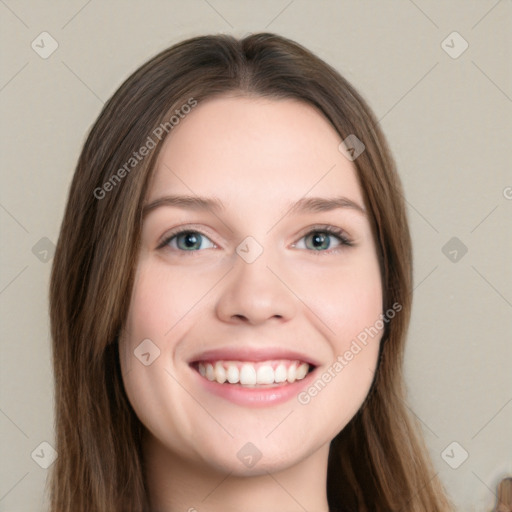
(255, 150)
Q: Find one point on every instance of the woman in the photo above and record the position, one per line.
(230, 295)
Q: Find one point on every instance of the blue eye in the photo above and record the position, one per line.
(187, 240)
(320, 239)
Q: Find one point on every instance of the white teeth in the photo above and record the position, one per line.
(220, 373)
(233, 374)
(292, 373)
(265, 375)
(302, 371)
(253, 374)
(210, 375)
(248, 375)
(280, 373)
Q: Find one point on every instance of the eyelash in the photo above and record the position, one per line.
(329, 230)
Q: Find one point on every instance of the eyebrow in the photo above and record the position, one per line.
(303, 205)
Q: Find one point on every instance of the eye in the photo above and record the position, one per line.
(319, 239)
(187, 240)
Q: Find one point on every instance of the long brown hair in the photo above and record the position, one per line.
(504, 496)
(378, 462)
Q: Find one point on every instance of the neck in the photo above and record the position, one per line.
(176, 484)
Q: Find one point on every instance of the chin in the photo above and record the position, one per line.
(247, 459)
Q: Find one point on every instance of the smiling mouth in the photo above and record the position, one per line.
(261, 374)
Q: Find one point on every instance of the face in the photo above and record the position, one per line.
(254, 326)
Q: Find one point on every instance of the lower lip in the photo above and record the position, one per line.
(256, 397)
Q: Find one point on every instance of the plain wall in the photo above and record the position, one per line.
(448, 121)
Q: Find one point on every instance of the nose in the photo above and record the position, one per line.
(256, 292)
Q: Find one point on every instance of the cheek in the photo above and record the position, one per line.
(348, 302)
(153, 327)
(144, 346)
(163, 301)
(356, 309)
(347, 299)
(164, 304)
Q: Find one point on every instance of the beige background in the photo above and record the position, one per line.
(448, 121)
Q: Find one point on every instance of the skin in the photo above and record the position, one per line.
(257, 155)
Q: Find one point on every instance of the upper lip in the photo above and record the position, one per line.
(247, 353)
